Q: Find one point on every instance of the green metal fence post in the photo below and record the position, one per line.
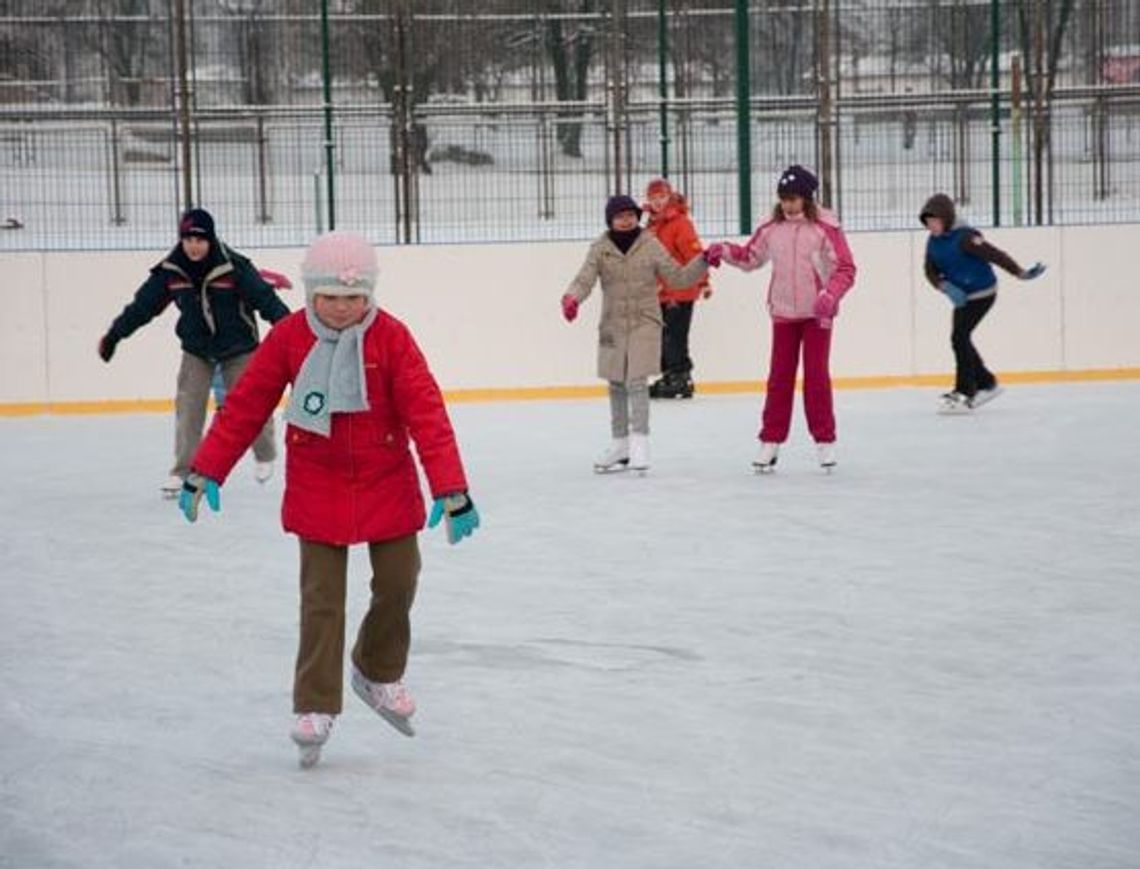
(329, 167)
(663, 87)
(743, 119)
(995, 110)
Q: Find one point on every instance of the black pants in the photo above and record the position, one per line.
(675, 339)
(971, 373)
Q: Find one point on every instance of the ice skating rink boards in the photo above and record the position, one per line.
(488, 318)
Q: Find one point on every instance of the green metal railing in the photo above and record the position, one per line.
(441, 120)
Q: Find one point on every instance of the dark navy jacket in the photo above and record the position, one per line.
(946, 253)
(215, 319)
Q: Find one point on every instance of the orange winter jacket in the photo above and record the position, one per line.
(675, 231)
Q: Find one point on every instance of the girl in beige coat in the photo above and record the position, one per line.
(628, 263)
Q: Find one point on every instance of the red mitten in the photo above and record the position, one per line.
(569, 308)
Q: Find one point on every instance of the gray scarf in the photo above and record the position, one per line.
(331, 379)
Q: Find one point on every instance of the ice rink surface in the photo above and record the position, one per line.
(928, 659)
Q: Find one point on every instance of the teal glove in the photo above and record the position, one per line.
(462, 517)
(193, 488)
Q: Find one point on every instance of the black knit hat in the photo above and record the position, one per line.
(199, 222)
(615, 205)
(797, 181)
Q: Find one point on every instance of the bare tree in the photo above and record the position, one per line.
(571, 44)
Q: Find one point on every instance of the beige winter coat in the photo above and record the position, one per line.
(629, 331)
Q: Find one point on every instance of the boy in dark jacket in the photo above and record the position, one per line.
(216, 290)
(959, 263)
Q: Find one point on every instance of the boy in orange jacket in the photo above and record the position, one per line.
(669, 221)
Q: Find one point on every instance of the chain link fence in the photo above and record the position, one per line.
(447, 121)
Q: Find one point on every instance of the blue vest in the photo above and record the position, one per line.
(973, 274)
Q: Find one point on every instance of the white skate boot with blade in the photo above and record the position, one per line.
(765, 461)
(310, 732)
(614, 458)
(639, 453)
(390, 700)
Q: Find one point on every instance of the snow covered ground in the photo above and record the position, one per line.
(928, 659)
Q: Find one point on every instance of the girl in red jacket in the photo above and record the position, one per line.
(812, 270)
(669, 220)
(360, 389)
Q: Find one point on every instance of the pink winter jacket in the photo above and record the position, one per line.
(808, 258)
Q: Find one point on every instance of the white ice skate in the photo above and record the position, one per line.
(310, 733)
(263, 471)
(954, 404)
(827, 459)
(765, 461)
(985, 396)
(172, 488)
(639, 453)
(613, 458)
(390, 700)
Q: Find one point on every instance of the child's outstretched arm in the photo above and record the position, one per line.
(974, 245)
(420, 404)
(236, 424)
(674, 275)
(582, 285)
(746, 257)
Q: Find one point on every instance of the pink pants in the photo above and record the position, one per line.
(787, 337)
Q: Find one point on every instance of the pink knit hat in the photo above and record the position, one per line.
(340, 264)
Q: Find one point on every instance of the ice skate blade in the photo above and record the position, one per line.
(308, 755)
(828, 469)
(170, 494)
(985, 397)
(612, 469)
(403, 725)
(764, 470)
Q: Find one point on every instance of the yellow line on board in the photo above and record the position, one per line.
(546, 393)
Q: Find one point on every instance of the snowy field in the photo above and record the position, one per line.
(58, 178)
(929, 659)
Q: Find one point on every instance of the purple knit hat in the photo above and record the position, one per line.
(797, 181)
(615, 205)
(340, 264)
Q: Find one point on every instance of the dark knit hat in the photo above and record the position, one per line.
(199, 222)
(797, 181)
(941, 206)
(615, 205)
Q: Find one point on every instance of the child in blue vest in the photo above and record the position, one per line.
(959, 262)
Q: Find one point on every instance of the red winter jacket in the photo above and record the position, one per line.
(674, 229)
(360, 483)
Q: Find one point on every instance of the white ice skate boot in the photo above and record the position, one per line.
(984, 396)
(390, 700)
(765, 461)
(954, 404)
(263, 471)
(310, 733)
(826, 453)
(613, 458)
(639, 453)
(172, 488)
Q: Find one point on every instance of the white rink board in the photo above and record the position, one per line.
(488, 316)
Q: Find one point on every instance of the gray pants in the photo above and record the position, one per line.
(194, 378)
(625, 397)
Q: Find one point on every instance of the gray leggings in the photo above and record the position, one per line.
(623, 397)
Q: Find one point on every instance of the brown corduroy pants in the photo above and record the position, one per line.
(381, 650)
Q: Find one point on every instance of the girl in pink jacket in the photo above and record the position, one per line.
(812, 269)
